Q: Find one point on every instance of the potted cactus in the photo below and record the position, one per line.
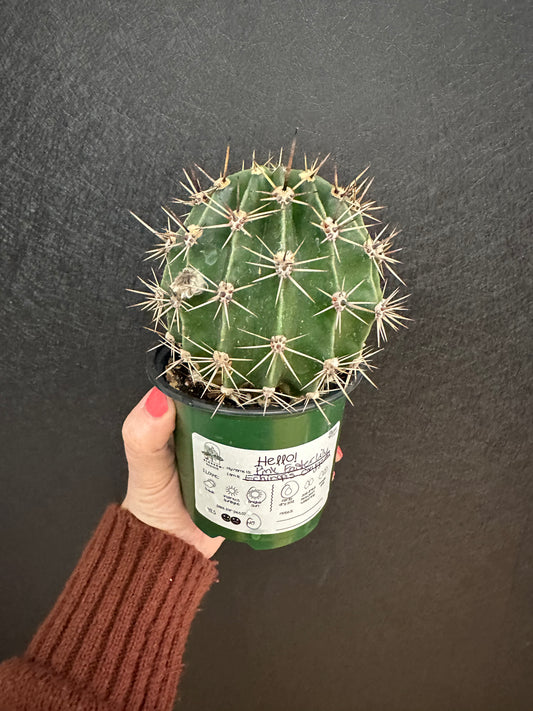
(269, 288)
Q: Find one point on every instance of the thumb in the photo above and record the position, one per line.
(147, 434)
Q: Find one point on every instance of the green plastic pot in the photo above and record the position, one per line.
(260, 479)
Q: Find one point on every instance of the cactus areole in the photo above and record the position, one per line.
(269, 288)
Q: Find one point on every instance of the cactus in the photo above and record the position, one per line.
(271, 285)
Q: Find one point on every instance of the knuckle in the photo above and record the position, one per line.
(132, 436)
(139, 441)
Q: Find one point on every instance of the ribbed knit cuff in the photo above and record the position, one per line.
(119, 627)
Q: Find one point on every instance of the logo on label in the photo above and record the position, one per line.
(212, 454)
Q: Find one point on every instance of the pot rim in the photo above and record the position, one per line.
(156, 359)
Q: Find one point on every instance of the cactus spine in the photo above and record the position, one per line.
(271, 284)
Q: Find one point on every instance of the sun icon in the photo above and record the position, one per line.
(232, 491)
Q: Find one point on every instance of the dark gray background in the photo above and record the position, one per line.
(415, 592)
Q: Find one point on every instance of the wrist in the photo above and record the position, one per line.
(184, 530)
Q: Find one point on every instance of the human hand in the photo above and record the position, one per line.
(338, 456)
(154, 494)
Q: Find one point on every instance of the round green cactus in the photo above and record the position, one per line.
(271, 284)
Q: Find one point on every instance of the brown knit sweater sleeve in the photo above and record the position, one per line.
(116, 635)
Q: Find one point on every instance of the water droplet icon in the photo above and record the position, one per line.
(289, 490)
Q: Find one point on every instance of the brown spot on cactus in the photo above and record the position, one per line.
(187, 283)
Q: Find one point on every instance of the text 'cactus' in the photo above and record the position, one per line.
(271, 284)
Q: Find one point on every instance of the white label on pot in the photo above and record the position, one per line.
(266, 490)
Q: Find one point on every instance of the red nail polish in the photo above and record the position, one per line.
(339, 453)
(156, 403)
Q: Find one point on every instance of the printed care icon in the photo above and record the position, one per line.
(289, 490)
(210, 485)
(253, 521)
(255, 495)
(232, 491)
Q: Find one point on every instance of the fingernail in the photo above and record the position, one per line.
(156, 403)
(339, 453)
